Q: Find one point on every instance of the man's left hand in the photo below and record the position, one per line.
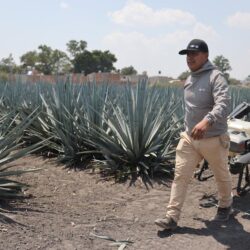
(200, 129)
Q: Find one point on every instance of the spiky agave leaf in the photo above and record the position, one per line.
(139, 128)
(22, 98)
(11, 150)
(67, 111)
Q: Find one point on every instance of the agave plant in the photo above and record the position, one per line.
(69, 112)
(11, 150)
(22, 98)
(140, 133)
(129, 131)
(239, 95)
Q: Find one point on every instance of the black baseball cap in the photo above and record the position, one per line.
(195, 45)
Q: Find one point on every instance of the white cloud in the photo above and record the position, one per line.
(136, 13)
(136, 49)
(204, 31)
(155, 53)
(240, 62)
(239, 20)
(64, 5)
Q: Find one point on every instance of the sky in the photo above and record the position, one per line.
(146, 34)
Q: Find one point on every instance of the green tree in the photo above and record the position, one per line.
(184, 75)
(84, 63)
(51, 61)
(75, 48)
(223, 65)
(8, 65)
(29, 60)
(104, 60)
(61, 62)
(45, 64)
(88, 62)
(130, 70)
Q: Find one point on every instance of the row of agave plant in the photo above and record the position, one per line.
(124, 131)
(127, 131)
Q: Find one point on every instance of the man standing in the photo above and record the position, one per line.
(206, 108)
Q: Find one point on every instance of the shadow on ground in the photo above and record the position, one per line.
(230, 233)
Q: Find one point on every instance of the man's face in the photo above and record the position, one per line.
(196, 59)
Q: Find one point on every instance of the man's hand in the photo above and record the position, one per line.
(200, 129)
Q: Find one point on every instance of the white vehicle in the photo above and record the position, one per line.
(239, 157)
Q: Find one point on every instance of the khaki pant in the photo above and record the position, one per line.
(189, 153)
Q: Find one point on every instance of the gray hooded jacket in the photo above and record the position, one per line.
(206, 96)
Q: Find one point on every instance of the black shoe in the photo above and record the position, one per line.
(166, 223)
(223, 213)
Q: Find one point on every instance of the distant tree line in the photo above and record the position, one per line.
(78, 59)
(53, 61)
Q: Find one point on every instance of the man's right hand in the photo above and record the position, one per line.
(200, 129)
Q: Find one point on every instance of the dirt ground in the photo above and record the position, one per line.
(67, 209)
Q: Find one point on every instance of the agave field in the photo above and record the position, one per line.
(123, 131)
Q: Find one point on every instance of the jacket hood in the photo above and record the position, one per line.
(207, 66)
